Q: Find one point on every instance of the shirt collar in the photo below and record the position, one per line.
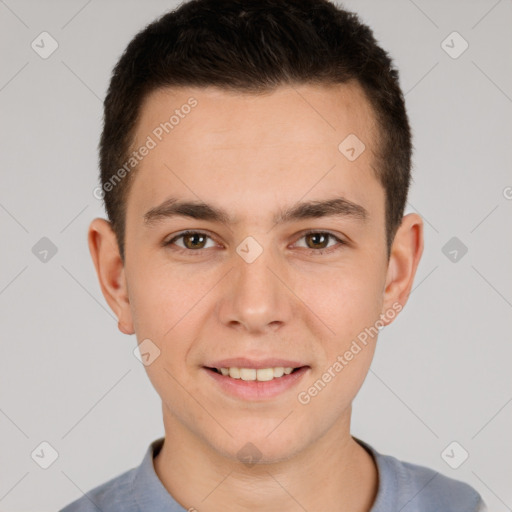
(150, 494)
(148, 491)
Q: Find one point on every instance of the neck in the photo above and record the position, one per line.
(334, 473)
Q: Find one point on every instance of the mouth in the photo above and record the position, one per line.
(256, 384)
(255, 374)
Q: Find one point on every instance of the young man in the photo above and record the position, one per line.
(255, 164)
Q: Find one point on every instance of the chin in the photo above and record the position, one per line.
(260, 447)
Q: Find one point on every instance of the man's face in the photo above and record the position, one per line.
(281, 294)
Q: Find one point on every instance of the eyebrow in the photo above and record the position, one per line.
(336, 207)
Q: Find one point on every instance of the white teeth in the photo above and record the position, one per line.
(234, 373)
(278, 372)
(261, 374)
(264, 374)
(247, 373)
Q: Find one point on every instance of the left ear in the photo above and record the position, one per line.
(111, 274)
(405, 256)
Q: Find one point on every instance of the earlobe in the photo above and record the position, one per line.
(405, 256)
(110, 270)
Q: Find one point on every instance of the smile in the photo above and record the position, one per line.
(260, 374)
(256, 384)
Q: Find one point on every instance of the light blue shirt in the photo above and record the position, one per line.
(402, 487)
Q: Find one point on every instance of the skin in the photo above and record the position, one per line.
(255, 155)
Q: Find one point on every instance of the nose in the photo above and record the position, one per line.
(256, 298)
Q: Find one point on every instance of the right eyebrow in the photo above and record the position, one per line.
(337, 207)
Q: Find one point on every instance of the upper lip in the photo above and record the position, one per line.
(244, 362)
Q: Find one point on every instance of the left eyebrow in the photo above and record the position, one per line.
(337, 207)
(194, 209)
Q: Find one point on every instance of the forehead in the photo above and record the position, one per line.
(243, 147)
(311, 114)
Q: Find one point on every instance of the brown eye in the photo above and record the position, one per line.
(194, 240)
(191, 241)
(317, 241)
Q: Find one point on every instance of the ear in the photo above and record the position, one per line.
(405, 256)
(110, 270)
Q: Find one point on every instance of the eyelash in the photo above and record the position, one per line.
(199, 251)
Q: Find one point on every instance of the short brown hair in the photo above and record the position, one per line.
(255, 46)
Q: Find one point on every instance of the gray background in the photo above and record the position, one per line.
(68, 377)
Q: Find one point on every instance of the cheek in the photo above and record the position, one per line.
(351, 307)
(329, 393)
(351, 302)
(159, 297)
(347, 300)
(165, 304)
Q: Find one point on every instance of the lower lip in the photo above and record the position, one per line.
(254, 389)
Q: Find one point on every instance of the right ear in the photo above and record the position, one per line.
(110, 270)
